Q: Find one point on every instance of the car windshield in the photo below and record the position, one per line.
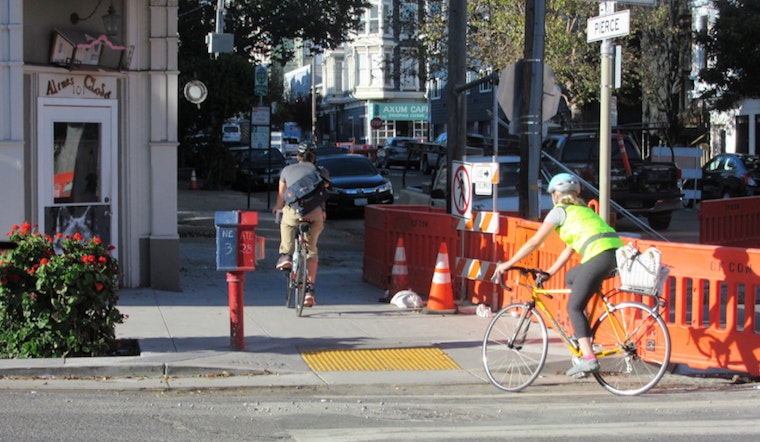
(400, 142)
(262, 155)
(585, 149)
(347, 166)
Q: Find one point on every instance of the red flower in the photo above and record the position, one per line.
(99, 286)
(26, 227)
(77, 236)
(96, 240)
(44, 261)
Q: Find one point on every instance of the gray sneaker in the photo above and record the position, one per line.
(583, 366)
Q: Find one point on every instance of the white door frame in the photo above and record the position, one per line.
(65, 110)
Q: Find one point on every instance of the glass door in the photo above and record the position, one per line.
(76, 166)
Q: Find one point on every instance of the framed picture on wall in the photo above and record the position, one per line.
(61, 49)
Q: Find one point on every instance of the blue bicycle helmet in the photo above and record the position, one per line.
(564, 183)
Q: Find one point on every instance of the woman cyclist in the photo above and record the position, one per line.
(584, 232)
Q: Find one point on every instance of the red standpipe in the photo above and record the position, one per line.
(235, 283)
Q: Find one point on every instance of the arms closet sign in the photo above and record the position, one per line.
(77, 86)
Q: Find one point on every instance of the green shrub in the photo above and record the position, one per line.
(57, 304)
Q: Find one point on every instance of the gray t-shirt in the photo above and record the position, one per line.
(556, 216)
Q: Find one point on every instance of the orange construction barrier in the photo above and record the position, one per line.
(399, 273)
(441, 297)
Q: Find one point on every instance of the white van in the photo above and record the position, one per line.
(231, 133)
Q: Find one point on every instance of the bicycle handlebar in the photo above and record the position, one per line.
(539, 276)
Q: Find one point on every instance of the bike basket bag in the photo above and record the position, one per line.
(641, 272)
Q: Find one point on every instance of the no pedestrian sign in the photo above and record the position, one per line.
(461, 189)
(607, 26)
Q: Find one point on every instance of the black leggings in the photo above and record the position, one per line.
(583, 281)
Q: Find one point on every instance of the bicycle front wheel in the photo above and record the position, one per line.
(632, 345)
(290, 281)
(515, 347)
(300, 281)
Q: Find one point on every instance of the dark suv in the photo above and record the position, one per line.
(650, 189)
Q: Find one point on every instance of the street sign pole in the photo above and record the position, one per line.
(604, 27)
(605, 129)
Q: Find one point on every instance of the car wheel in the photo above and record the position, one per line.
(660, 221)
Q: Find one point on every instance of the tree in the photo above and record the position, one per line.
(262, 29)
(496, 35)
(733, 72)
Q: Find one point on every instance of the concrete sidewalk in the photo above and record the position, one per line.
(184, 337)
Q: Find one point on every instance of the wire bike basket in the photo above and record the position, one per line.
(641, 272)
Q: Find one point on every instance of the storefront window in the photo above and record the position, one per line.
(76, 162)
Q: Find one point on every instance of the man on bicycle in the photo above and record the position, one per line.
(298, 201)
(590, 236)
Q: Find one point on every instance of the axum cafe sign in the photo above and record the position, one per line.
(400, 111)
(77, 86)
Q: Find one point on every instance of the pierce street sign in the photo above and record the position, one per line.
(602, 27)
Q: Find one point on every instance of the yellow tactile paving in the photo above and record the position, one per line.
(379, 359)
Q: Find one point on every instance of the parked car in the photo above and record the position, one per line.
(231, 133)
(354, 183)
(730, 175)
(395, 153)
(257, 168)
(651, 188)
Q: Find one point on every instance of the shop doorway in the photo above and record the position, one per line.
(77, 169)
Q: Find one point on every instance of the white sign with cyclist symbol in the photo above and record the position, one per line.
(461, 189)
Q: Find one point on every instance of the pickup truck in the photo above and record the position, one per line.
(642, 187)
(434, 194)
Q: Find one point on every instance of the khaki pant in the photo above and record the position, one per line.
(289, 225)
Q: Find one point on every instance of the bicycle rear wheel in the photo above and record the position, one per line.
(515, 347)
(632, 344)
(300, 280)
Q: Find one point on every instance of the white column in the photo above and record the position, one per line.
(164, 240)
(12, 167)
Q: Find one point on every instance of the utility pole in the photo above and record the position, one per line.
(530, 107)
(314, 97)
(457, 122)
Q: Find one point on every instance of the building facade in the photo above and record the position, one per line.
(380, 75)
(88, 127)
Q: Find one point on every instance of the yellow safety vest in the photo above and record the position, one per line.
(587, 233)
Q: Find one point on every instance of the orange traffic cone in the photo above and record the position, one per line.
(441, 297)
(399, 273)
(193, 181)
